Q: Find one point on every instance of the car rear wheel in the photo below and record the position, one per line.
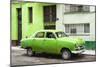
(66, 54)
(29, 52)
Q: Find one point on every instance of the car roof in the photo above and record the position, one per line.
(50, 31)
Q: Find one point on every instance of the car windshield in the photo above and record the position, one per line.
(61, 34)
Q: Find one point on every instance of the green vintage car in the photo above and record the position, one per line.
(53, 41)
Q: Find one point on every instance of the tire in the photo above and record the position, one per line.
(29, 52)
(66, 54)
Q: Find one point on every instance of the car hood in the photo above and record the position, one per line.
(77, 41)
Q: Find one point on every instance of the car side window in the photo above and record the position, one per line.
(50, 35)
(40, 35)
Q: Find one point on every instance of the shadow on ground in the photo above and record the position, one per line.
(54, 56)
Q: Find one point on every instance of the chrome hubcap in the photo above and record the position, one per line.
(65, 55)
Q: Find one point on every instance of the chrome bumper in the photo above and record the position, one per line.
(78, 51)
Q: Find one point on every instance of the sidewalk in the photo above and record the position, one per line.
(88, 52)
(16, 48)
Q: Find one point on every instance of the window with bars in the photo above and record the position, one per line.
(50, 13)
(77, 28)
(86, 28)
(77, 8)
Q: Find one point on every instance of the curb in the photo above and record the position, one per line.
(17, 48)
(89, 52)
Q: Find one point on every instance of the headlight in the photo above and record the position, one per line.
(76, 46)
(79, 47)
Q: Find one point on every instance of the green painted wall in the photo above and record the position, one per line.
(14, 26)
(37, 24)
(27, 28)
(90, 45)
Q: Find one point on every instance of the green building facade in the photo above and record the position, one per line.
(27, 18)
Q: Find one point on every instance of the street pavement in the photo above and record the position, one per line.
(19, 57)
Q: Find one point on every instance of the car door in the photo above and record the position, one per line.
(38, 41)
(50, 43)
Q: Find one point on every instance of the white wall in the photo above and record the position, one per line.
(76, 18)
(60, 16)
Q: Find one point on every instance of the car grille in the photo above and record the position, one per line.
(80, 48)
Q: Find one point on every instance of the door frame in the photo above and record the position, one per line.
(19, 23)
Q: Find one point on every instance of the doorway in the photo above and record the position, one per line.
(19, 18)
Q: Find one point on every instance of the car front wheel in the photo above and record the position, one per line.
(66, 54)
